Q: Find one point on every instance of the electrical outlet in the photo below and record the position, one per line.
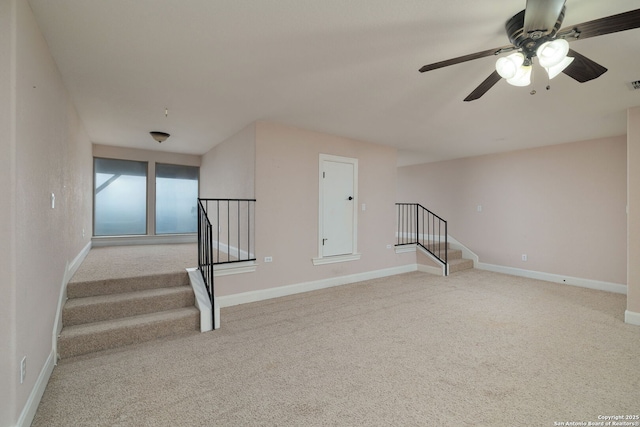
(389, 246)
(268, 259)
(524, 257)
(83, 233)
(23, 369)
(479, 208)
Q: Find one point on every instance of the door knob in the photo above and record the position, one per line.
(350, 198)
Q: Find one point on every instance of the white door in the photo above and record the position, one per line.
(338, 208)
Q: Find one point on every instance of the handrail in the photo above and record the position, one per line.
(413, 221)
(225, 235)
(205, 259)
(233, 229)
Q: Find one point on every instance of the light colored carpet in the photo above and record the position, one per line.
(131, 261)
(472, 349)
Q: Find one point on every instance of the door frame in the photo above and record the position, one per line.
(337, 258)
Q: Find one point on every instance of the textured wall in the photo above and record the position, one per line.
(47, 151)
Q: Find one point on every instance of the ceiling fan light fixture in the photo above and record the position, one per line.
(508, 66)
(552, 53)
(558, 68)
(159, 136)
(522, 77)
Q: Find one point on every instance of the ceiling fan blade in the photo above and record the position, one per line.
(582, 68)
(466, 58)
(484, 87)
(541, 15)
(607, 25)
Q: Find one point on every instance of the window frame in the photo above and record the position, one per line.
(150, 232)
(155, 198)
(146, 187)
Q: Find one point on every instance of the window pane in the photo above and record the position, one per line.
(120, 197)
(176, 199)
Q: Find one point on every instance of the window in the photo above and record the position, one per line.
(176, 199)
(120, 197)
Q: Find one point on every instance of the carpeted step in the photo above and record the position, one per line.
(453, 254)
(82, 289)
(435, 246)
(92, 337)
(460, 264)
(78, 311)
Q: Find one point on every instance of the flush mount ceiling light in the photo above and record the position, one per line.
(159, 136)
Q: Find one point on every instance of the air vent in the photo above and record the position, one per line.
(634, 85)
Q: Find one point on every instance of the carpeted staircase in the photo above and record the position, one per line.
(109, 313)
(454, 257)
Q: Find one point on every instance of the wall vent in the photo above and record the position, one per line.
(634, 85)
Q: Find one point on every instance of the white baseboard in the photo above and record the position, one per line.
(466, 252)
(70, 270)
(632, 318)
(281, 291)
(232, 250)
(75, 264)
(430, 269)
(30, 408)
(556, 278)
(539, 275)
(144, 240)
(549, 277)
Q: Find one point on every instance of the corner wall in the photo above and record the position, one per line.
(633, 217)
(228, 169)
(47, 152)
(562, 205)
(286, 189)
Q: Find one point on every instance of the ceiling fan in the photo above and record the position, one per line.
(535, 32)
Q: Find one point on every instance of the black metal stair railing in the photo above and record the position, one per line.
(419, 226)
(225, 235)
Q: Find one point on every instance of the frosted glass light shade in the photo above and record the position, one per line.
(552, 53)
(522, 77)
(557, 69)
(508, 66)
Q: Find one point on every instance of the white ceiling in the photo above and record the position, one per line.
(344, 67)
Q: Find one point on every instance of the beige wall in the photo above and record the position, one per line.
(633, 162)
(45, 151)
(8, 356)
(228, 169)
(286, 189)
(151, 156)
(563, 206)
